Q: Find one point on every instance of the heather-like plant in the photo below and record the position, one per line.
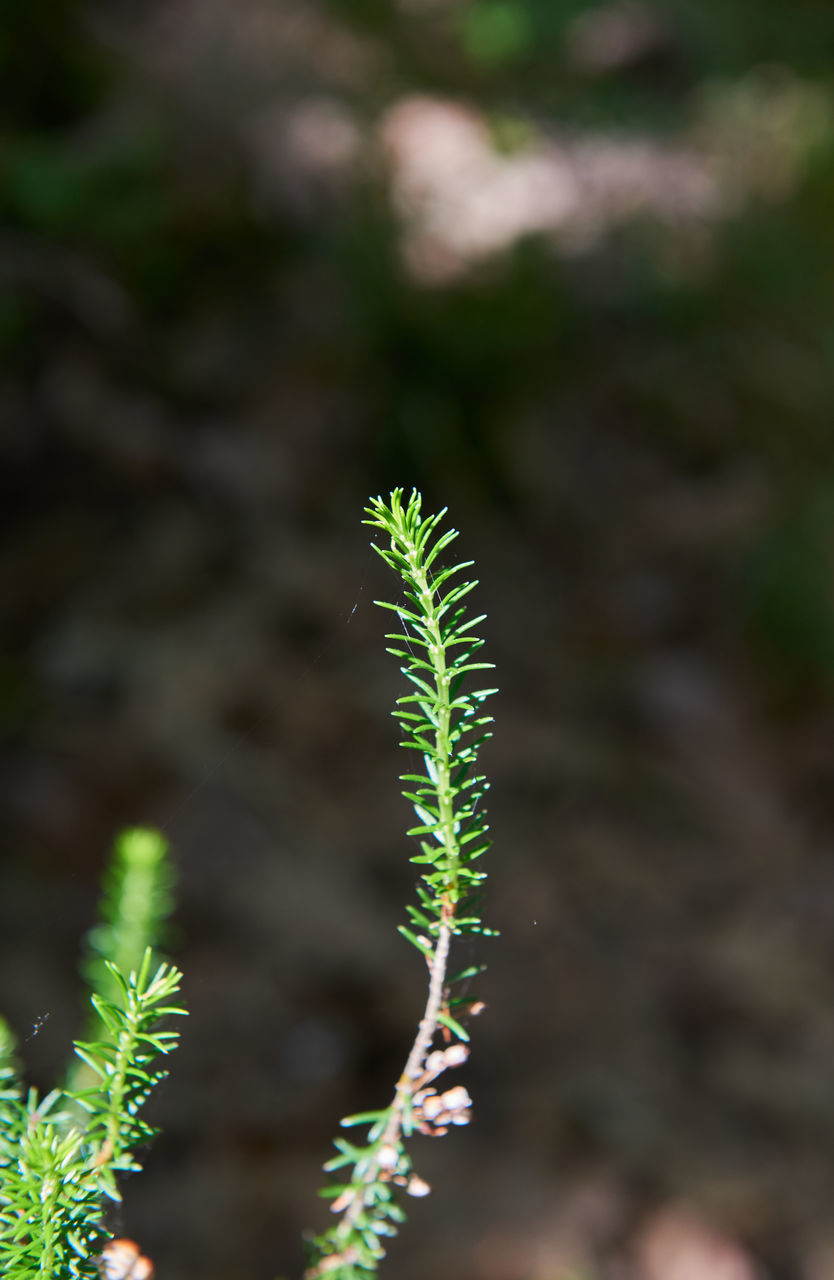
(61, 1156)
(444, 723)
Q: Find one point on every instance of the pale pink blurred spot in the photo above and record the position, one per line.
(460, 199)
(677, 1245)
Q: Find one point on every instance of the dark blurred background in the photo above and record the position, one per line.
(569, 269)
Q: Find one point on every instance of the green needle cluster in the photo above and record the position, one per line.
(59, 1155)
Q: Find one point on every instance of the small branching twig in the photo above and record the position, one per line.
(124, 1062)
(447, 726)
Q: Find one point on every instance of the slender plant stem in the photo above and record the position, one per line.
(412, 1071)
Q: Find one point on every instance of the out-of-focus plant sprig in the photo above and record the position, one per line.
(446, 724)
(137, 899)
(59, 1156)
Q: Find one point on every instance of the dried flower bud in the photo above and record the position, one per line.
(432, 1106)
(436, 1062)
(334, 1260)
(341, 1202)
(121, 1260)
(417, 1187)
(476, 1007)
(455, 1055)
(387, 1157)
(456, 1099)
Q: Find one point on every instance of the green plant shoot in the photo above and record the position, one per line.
(445, 723)
(60, 1155)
